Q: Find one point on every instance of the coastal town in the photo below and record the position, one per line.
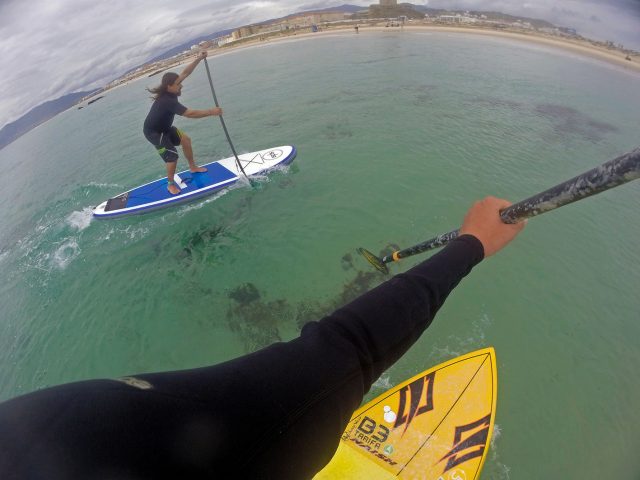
(388, 14)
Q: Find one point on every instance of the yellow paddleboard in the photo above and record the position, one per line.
(435, 426)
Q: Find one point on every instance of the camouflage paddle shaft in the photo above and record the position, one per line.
(618, 171)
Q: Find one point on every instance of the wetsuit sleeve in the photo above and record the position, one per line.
(277, 413)
(384, 322)
(176, 107)
(335, 361)
(309, 387)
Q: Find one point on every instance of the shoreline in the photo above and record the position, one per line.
(582, 47)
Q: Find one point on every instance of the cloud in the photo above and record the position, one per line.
(53, 47)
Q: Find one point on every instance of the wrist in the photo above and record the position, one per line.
(474, 244)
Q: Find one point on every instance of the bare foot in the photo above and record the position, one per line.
(198, 170)
(173, 189)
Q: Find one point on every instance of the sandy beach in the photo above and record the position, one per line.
(578, 46)
(583, 47)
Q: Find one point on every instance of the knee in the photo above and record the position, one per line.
(185, 140)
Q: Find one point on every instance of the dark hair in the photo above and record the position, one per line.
(167, 79)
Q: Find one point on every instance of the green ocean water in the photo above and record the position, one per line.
(397, 134)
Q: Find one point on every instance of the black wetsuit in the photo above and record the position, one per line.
(277, 413)
(158, 126)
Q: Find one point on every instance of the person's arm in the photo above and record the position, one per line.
(191, 67)
(276, 413)
(212, 112)
(318, 379)
(392, 316)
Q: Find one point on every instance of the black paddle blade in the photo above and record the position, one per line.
(373, 260)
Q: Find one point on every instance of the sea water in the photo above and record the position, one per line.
(397, 134)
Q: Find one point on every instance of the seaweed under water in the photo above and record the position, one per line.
(199, 240)
(569, 121)
(259, 322)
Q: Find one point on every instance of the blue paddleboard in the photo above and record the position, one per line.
(219, 175)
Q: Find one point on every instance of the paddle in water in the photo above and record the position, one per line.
(224, 126)
(613, 173)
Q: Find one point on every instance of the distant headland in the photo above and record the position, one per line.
(386, 15)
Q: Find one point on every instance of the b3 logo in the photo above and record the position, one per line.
(368, 426)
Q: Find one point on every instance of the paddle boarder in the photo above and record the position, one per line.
(158, 126)
(277, 413)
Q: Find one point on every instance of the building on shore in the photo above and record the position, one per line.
(313, 18)
(253, 30)
(457, 19)
(292, 22)
(221, 41)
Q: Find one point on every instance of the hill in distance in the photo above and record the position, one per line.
(50, 109)
(39, 115)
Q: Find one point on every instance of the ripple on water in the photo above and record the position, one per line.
(66, 253)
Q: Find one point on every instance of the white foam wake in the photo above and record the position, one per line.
(104, 185)
(80, 220)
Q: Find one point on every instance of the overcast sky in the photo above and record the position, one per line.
(53, 47)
